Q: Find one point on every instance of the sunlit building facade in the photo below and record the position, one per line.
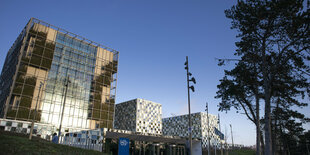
(178, 126)
(139, 115)
(47, 65)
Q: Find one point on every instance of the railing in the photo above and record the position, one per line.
(40, 130)
(85, 143)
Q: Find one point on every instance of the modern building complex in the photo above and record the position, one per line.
(62, 80)
(145, 116)
(60, 73)
(178, 126)
(139, 115)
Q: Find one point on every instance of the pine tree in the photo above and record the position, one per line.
(274, 37)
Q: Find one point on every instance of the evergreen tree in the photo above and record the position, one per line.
(274, 46)
(240, 89)
(287, 128)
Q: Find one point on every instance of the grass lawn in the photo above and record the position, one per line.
(13, 143)
(242, 152)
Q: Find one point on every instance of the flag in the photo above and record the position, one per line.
(219, 133)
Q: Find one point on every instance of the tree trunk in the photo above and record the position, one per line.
(275, 135)
(258, 148)
(268, 145)
(262, 141)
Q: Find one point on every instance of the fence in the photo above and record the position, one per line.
(91, 139)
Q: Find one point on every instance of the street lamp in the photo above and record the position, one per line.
(207, 110)
(67, 81)
(35, 111)
(219, 122)
(232, 137)
(188, 74)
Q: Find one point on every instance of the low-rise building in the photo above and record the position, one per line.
(139, 115)
(178, 126)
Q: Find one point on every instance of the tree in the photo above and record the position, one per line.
(240, 88)
(305, 142)
(287, 129)
(274, 37)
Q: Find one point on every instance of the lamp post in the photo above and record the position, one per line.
(35, 111)
(232, 137)
(188, 74)
(208, 131)
(219, 122)
(225, 138)
(63, 106)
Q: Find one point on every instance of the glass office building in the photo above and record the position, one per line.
(60, 73)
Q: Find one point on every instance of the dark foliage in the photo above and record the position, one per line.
(274, 67)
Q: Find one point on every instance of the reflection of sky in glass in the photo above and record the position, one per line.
(75, 60)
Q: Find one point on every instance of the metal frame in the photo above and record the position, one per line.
(24, 35)
(26, 31)
(34, 20)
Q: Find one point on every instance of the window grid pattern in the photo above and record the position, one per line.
(139, 115)
(52, 56)
(178, 126)
(149, 117)
(76, 61)
(125, 115)
(8, 70)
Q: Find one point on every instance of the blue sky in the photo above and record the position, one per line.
(153, 38)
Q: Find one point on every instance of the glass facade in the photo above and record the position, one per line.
(9, 69)
(55, 57)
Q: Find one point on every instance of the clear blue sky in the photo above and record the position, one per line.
(153, 38)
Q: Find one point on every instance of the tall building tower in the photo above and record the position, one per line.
(139, 115)
(68, 67)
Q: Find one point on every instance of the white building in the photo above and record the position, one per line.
(139, 115)
(178, 126)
